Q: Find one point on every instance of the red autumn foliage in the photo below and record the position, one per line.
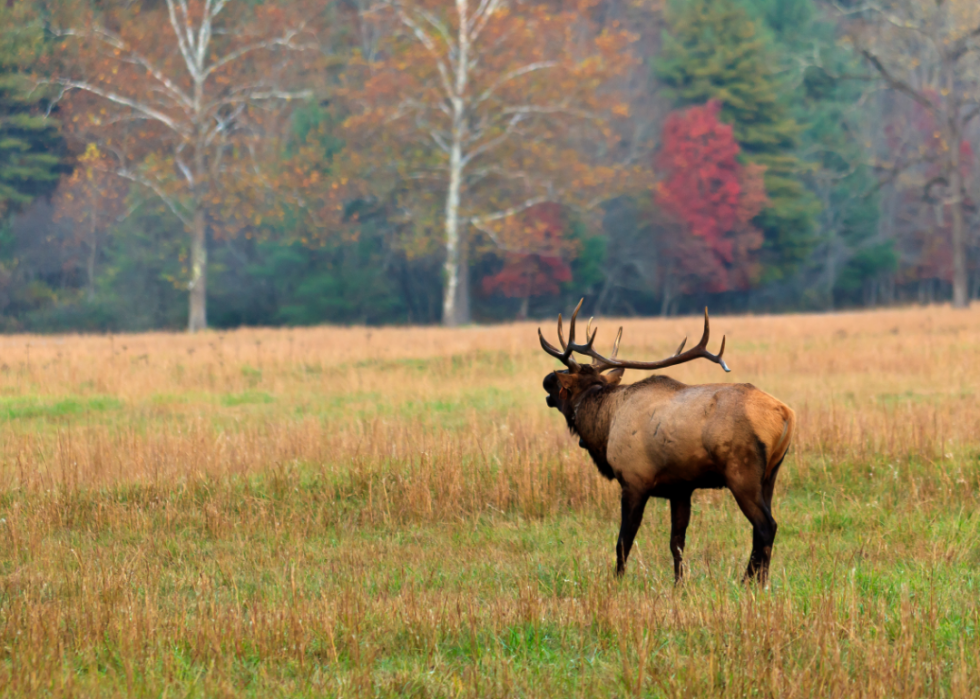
(713, 196)
(537, 267)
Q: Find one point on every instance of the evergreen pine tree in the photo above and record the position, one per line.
(31, 145)
(713, 50)
(850, 253)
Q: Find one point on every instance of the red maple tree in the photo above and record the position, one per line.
(714, 197)
(534, 265)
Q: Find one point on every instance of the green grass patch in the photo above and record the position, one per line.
(252, 375)
(246, 398)
(26, 408)
(453, 411)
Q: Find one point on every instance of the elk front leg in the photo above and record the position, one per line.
(632, 506)
(680, 516)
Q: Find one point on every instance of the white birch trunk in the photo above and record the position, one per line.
(197, 311)
(198, 316)
(451, 316)
(449, 307)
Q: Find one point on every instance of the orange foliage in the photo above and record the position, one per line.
(198, 133)
(538, 112)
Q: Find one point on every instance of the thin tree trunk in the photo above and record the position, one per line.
(449, 293)
(451, 311)
(961, 275)
(197, 316)
(668, 296)
(831, 270)
(90, 263)
(463, 313)
(522, 311)
(600, 304)
(831, 248)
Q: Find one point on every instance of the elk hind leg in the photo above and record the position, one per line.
(680, 516)
(632, 509)
(770, 485)
(752, 503)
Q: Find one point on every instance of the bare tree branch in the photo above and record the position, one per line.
(896, 83)
(148, 111)
(155, 187)
(512, 75)
(508, 212)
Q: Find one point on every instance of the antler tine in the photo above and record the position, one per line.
(707, 331)
(680, 347)
(619, 338)
(721, 352)
(599, 362)
(571, 324)
(564, 355)
(590, 334)
(703, 345)
(548, 347)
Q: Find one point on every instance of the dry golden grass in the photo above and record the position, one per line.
(365, 512)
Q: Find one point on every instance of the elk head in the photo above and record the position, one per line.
(564, 387)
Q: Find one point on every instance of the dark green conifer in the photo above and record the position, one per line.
(713, 50)
(30, 145)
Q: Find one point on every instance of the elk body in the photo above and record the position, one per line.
(662, 438)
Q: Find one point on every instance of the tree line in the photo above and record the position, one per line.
(186, 163)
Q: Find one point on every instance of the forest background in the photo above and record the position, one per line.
(186, 163)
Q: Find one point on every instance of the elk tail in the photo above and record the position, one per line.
(782, 444)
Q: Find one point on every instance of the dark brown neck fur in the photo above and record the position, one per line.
(590, 415)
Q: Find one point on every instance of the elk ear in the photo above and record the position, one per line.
(614, 376)
(567, 381)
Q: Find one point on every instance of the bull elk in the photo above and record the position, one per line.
(662, 438)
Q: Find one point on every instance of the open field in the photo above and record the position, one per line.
(352, 512)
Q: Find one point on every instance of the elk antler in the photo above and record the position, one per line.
(601, 363)
(565, 354)
(700, 350)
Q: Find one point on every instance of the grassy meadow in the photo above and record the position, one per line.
(395, 512)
